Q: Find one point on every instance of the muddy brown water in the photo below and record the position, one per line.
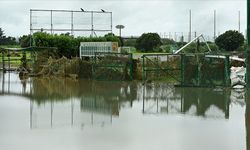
(63, 114)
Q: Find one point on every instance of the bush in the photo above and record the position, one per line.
(67, 45)
(230, 40)
(148, 42)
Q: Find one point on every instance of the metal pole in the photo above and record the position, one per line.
(9, 59)
(111, 22)
(190, 25)
(120, 32)
(214, 25)
(239, 21)
(143, 70)
(182, 69)
(51, 23)
(3, 61)
(92, 23)
(72, 23)
(30, 28)
(175, 37)
(227, 71)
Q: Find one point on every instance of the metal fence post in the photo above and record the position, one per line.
(182, 69)
(143, 71)
(227, 71)
(199, 69)
(94, 67)
(131, 65)
(3, 60)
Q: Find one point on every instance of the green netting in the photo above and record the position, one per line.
(190, 70)
(113, 66)
(162, 67)
(201, 70)
(204, 70)
(213, 72)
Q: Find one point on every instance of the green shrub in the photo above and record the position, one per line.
(67, 45)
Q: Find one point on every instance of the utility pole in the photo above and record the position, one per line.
(92, 23)
(190, 25)
(239, 20)
(214, 25)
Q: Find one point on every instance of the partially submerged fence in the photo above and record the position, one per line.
(202, 70)
(13, 58)
(24, 58)
(198, 69)
(112, 66)
(161, 67)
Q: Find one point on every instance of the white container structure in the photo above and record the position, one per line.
(88, 49)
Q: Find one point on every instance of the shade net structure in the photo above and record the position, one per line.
(161, 67)
(113, 66)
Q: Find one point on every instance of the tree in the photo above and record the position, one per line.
(148, 42)
(1, 33)
(24, 41)
(112, 38)
(230, 40)
(6, 40)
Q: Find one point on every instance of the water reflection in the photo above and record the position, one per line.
(96, 102)
(60, 102)
(194, 101)
(108, 98)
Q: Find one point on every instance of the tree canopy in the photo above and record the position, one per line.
(4, 40)
(148, 42)
(230, 40)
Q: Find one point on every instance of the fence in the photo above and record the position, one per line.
(161, 66)
(112, 66)
(198, 69)
(201, 70)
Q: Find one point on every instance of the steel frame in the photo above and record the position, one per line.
(71, 29)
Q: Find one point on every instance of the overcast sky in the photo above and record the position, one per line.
(138, 16)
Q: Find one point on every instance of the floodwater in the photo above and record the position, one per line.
(63, 114)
